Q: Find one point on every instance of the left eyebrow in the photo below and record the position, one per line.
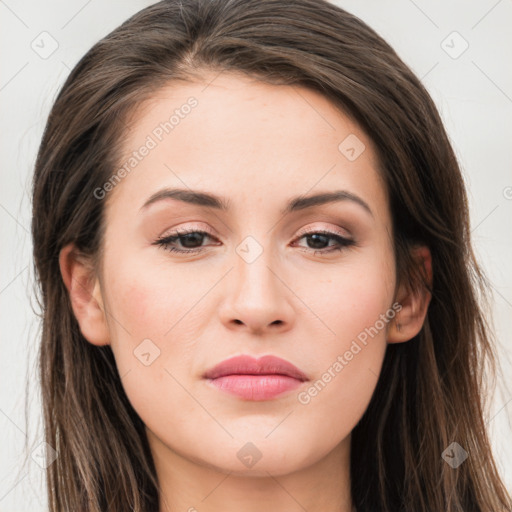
(219, 203)
(302, 202)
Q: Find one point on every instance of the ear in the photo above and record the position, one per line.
(409, 320)
(85, 295)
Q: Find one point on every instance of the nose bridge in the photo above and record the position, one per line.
(256, 281)
(256, 295)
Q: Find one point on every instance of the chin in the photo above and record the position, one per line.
(260, 457)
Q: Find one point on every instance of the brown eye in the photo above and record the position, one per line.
(318, 241)
(191, 241)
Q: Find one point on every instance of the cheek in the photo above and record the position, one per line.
(352, 297)
(356, 304)
(146, 311)
(150, 330)
(149, 299)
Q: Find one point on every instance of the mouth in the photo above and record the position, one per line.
(255, 379)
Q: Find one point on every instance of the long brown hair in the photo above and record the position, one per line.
(431, 389)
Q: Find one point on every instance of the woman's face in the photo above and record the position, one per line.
(256, 283)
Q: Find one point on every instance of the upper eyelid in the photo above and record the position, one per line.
(207, 230)
(304, 232)
(333, 231)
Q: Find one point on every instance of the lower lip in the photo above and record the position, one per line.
(256, 387)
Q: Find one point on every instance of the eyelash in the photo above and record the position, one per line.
(165, 242)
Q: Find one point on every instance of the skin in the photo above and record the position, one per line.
(257, 145)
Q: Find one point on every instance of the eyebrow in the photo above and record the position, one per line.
(219, 203)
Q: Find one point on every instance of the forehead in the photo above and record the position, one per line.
(231, 133)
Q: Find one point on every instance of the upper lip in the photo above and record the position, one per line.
(248, 365)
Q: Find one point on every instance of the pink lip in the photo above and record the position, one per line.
(255, 379)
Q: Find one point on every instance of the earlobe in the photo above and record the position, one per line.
(85, 295)
(410, 319)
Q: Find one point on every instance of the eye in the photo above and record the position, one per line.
(191, 241)
(319, 239)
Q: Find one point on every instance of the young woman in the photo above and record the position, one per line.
(252, 241)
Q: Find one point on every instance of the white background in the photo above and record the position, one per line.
(473, 93)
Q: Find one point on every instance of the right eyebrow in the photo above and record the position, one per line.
(189, 196)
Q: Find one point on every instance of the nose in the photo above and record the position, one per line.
(257, 298)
